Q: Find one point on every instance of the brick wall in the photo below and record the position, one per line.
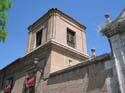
(96, 77)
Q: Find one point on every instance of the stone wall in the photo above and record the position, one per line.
(89, 77)
(20, 68)
(96, 75)
(118, 48)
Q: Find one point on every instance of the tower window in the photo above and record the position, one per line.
(38, 38)
(70, 38)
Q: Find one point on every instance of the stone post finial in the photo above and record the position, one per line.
(93, 50)
(107, 16)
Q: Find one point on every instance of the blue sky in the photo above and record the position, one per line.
(87, 12)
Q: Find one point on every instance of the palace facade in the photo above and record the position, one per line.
(56, 59)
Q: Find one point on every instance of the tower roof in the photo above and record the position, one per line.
(53, 11)
(116, 26)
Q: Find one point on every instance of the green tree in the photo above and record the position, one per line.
(4, 6)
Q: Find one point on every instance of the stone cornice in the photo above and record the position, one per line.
(117, 26)
(53, 43)
(112, 30)
(46, 46)
(70, 49)
(52, 12)
(69, 18)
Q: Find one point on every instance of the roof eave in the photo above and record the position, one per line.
(55, 10)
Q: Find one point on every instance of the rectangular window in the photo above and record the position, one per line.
(30, 84)
(8, 85)
(70, 38)
(38, 38)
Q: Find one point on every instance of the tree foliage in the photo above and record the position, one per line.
(4, 6)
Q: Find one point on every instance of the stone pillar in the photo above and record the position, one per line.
(118, 47)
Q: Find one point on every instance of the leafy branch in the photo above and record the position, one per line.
(4, 6)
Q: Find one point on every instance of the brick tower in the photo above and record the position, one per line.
(62, 35)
